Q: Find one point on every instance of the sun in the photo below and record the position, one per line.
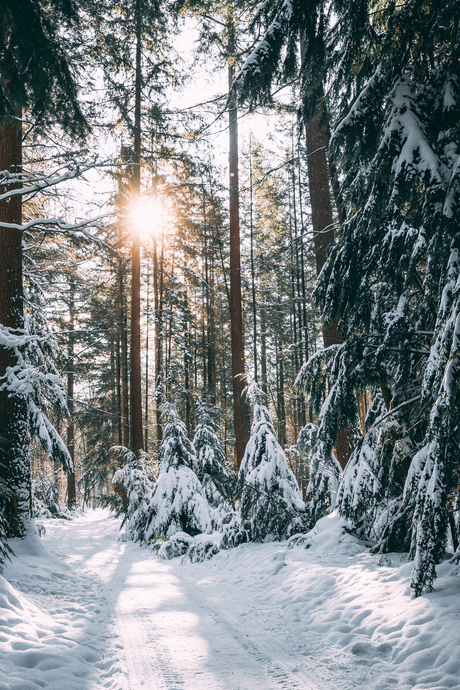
(146, 216)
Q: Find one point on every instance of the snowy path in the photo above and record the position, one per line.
(173, 636)
(93, 613)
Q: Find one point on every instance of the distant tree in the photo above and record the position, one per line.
(293, 31)
(210, 464)
(221, 28)
(133, 488)
(325, 475)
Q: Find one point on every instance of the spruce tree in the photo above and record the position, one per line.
(400, 303)
(271, 504)
(178, 503)
(35, 77)
(210, 464)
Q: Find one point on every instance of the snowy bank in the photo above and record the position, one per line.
(340, 614)
(55, 624)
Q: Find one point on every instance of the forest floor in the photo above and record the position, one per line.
(81, 610)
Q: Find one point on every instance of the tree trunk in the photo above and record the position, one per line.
(240, 411)
(302, 263)
(14, 428)
(146, 398)
(118, 385)
(297, 403)
(187, 358)
(212, 365)
(156, 300)
(263, 350)
(280, 394)
(323, 231)
(253, 277)
(297, 291)
(71, 489)
(123, 357)
(137, 441)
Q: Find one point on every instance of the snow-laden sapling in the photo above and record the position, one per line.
(45, 496)
(271, 504)
(325, 473)
(210, 464)
(178, 503)
(133, 486)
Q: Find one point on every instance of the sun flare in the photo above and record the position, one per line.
(147, 216)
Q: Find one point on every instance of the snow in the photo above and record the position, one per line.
(81, 609)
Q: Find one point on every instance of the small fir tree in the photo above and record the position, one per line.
(135, 488)
(178, 503)
(210, 464)
(271, 504)
(325, 474)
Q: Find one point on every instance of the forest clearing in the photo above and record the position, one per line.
(229, 344)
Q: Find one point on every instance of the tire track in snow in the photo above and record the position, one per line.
(148, 660)
(276, 669)
(148, 666)
(151, 660)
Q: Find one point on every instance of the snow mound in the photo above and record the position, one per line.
(51, 630)
(330, 535)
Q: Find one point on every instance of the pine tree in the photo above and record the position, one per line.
(271, 504)
(34, 76)
(210, 464)
(133, 486)
(288, 26)
(178, 503)
(400, 302)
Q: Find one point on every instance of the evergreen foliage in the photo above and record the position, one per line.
(325, 474)
(271, 505)
(178, 503)
(5, 549)
(401, 304)
(34, 64)
(135, 489)
(45, 496)
(210, 463)
(391, 282)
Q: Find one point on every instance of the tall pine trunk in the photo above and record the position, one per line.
(123, 356)
(71, 489)
(137, 441)
(14, 428)
(253, 273)
(158, 335)
(146, 396)
(317, 139)
(240, 411)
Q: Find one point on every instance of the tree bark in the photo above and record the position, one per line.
(14, 428)
(240, 411)
(146, 397)
(280, 394)
(253, 276)
(158, 335)
(123, 357)
(263, 350)
(71, 489)
(323, 231)
(137, 441)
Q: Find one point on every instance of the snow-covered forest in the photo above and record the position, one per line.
(230, 329)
